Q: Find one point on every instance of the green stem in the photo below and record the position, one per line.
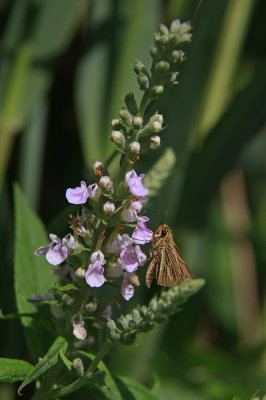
(144, 103)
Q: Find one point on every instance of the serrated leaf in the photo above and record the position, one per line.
(50, 359)
(131, 103)
(132, 389)
(109, 389)
(32, 274)
(12, 370)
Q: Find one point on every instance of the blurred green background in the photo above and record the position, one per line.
(64, 67)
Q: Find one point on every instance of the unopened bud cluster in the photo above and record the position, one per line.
(143, 319)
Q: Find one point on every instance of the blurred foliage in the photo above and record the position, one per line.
(64, 67)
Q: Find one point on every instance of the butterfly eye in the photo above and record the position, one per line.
(164, 232)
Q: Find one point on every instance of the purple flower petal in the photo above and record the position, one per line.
(98, 256)
(135, 184)
(129, 259)
(141, 257)
(79, 195)
(129, 215)
(142, 234)
(56, 254)
(42, 251)
(127, 289)
(93, 191)
(94, 275)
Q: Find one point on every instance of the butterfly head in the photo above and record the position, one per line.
(162, 231)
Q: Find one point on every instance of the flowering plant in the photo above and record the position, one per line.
(105, 246)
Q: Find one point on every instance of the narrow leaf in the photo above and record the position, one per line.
(65, 360)
(69, 286)
(50, 359)
(32, 274)
(12, 370)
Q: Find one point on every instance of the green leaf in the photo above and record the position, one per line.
(65, 360)
(109, 389)
(32, 274)
(131, 103)
(12, 370)
(132, 389)
(69, 286)
(50, 359)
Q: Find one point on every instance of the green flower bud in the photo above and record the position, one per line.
(111, 324)
(91, 307)
(157, 90)
(80, 272)
(143, 81)
(137, 122)
(178, 56)
(153, 50)
(67, 299)
(78, 366)
(162, 66)
(125, 116)
(134, 148)
(175, 26)
(115, 123)
(164, 29)
(106, 183)
(118, 138)
(138, 66)
(128, 338)
(109, 208)
(155, 142)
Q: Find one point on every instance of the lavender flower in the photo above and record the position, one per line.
(132, 257)
(79, 195)
(95, 273)
(130, 214)
(56, 252)
(142, 234)
(135, 184)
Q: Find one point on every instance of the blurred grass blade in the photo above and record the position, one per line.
(232, 35)
(221, 150)
(32, 153)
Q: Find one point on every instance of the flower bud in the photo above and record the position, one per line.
(109, 208)
(90, 307)
(155, 142)
(164, 29)
(80, 272)
(143, 81)
(173, 77)
(79, 331)
(162, 66)
(178, 56)
(156, 127)
(157, 90)
(118, 138)
(111, 324)
(78, 366)
(106, 183)
(153, 50)
(125, 116)
(157, 117)
(134, 148)
(137, 122)
(115, 123)
(68, 300)
(98, 168)
(175, 26)
(138, 66)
